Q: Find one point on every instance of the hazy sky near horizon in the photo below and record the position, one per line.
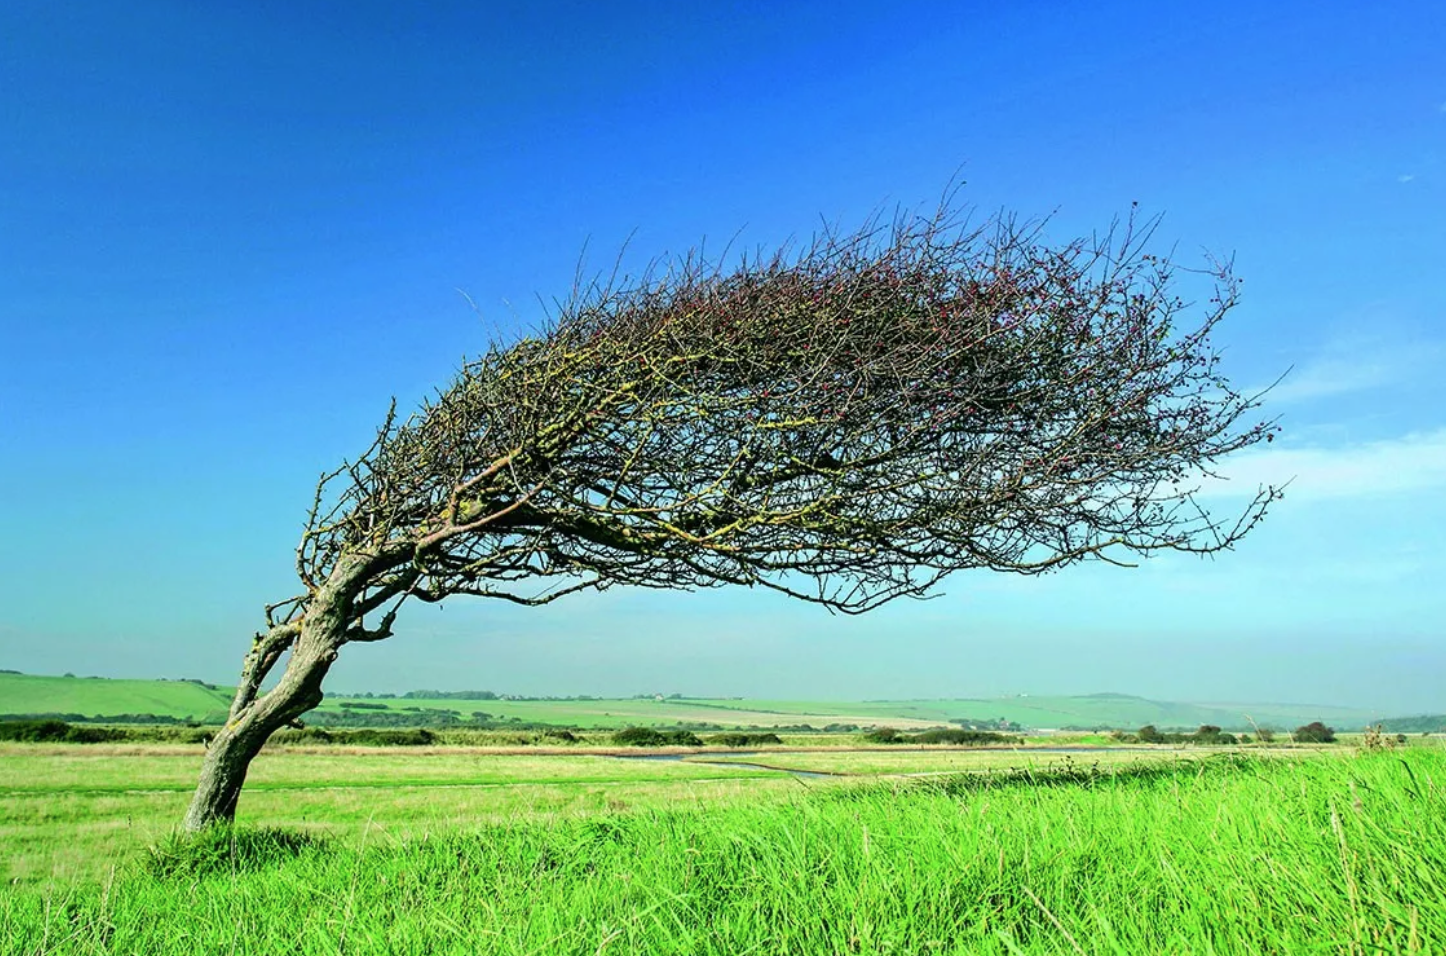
(231, 232)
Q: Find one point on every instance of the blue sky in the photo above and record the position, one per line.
(230, 232)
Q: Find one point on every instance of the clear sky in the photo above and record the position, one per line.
(230, 232)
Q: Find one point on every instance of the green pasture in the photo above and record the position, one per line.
(28, 694)
(883, 762)
(647, 712)
(25, 694)
(1090, 710)
(103, 769)
(71, 811)
(68, 811)
(1100, 710)
(1337, 852)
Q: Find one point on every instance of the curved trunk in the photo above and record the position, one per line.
(230, 752)
(228, 756)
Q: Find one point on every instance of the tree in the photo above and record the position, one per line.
(845, 424)
(1315, 732)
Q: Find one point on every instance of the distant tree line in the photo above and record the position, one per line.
(735, 739)
(449, 695)
(381, 717)
(651, 737)
(158, 719)
(960, 737)
(193, 680)
(1210, 735)
(56, 731)
(976, 723)
(1207, 734)
(428, 694)
(363, 737)
(1314, 732)
(1424, 724)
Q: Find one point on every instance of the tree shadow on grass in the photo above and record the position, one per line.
(228, 850)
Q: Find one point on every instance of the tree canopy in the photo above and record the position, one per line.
(846, 423)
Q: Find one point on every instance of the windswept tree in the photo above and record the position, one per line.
(846, 424)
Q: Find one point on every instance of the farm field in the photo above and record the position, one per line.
(71, 811)
(881, 762)
(186, 700)
(123, 797)
(443, 851)
(32, 694)
(646, 712)
(1087, 710)
(1108, 710)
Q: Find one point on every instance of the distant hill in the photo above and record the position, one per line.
(1423, 724)
(193, 700)
(101, 696)
(1091, 711)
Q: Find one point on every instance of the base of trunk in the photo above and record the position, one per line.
(228, 758)
(231, 751)
(313, 643)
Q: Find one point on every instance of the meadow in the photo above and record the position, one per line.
(22, 694)
(448, 850)
(179, 699)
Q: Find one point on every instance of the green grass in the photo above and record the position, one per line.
(1096, 710)
(24, 694)
(43, 771)
(647, 712)
(884, 762)
(1225, 854)
(27, 694)
(68, 812)
(1090, 710)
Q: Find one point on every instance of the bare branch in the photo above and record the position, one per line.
(847, 425)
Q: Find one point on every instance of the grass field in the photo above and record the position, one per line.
(883, 763)
(28, 694)
(69, 811)
(25, 694)
(1088, 710)
(467, 852)
(1095, 710)
(646, 712)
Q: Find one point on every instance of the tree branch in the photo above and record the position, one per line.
(266, 650)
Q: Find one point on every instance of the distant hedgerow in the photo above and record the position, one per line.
(735, 739)
(56, 731)
(648, 737)
(1315, 732)
(890, 735)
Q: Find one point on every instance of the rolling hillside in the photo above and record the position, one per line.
(96, 696)
(1061, 712)
(92, 697)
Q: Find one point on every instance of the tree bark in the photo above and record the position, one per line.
(322, 631)
(231, 751)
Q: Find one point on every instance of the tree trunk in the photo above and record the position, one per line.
(230, 752)
(228, 756)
